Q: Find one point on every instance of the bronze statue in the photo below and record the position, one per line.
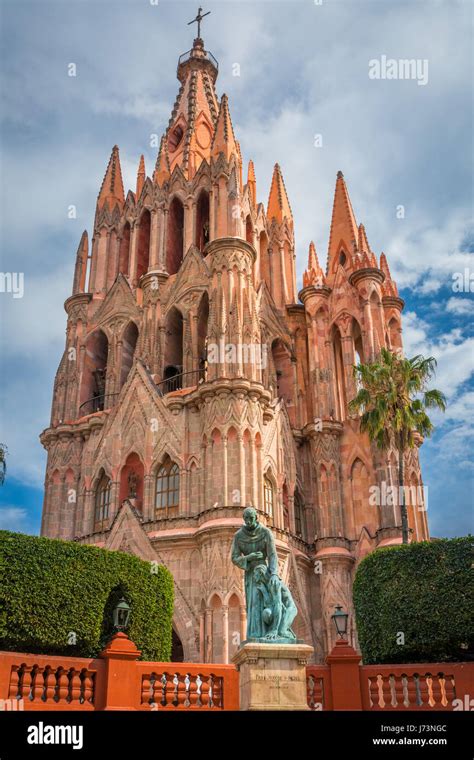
(270, 606)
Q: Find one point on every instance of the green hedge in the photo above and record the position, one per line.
(51, 588)
(423, 590)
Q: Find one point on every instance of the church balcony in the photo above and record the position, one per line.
(181, 381)
(98, 403)
(206, 56)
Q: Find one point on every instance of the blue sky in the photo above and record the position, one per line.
(303, 72)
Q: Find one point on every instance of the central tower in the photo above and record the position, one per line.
(194, 382)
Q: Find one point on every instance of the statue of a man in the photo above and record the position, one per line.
(254, 547)
(279, 609)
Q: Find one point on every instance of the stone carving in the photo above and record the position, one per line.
(270, 606)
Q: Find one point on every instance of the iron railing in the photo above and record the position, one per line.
(181, 380)
(97, 403)
(174, 383)
(206, 56)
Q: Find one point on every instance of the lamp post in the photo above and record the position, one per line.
(121, 615)
(340, 619)
(343, 661)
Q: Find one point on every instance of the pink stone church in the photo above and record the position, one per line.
(197, 380)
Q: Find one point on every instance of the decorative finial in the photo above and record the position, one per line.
(340, 175)
(198, 19)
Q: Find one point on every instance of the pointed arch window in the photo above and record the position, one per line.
(102, 499)
(167, 487)
(299, 518)
(268, 496)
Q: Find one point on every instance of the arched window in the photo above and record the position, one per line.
(167, 487)
(283, 371)
(342, 258)
(339, 380)
(129, 344)
(202, 324)
(299, 515)
(94, 377)
(202, 221)
(268, 496)
(143, 248)
(102, 499)
(286, 509)
(173, 362)
(175, 236)
(124, 252)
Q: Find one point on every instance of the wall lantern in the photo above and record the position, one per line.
(121, 615)
(340, 621)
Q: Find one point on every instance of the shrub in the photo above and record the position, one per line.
(422, 590)
(53, 592)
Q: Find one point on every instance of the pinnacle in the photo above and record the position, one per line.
(344, 229)
(81, 264)
(111, 189)
(278, 203)
(224, 139)
(162, 166)
(314, 274)
(141, 176)
(252, 183)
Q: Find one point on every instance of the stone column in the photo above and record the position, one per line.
(226, 499)
(163, 237)
(154, 242)
(132, 271)
(202, 628)
(225, 634)
(254, 471)
(240, 440)
(368, 331)
(203, 474)
(208, 652)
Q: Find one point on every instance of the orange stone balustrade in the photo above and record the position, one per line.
(50, 683)
(318, 682)
(117, 680)
(432, 686)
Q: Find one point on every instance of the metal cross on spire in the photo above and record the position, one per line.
(199, 18)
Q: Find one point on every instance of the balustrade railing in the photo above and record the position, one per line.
(41, 682)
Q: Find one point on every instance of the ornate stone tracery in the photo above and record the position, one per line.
(231, 423)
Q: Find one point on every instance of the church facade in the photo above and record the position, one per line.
(197, 380)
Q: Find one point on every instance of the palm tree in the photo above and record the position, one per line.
(392, 401)
(3, 463)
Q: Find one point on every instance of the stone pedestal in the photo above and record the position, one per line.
(273, 676)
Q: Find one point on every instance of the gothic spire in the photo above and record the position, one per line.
(313, 275)
(224, 139)
(141, 176)
(252, 183)
(111, 190)
(191, 126)
(344, 235)
(278, 203)
(162, 166)
(79, 282)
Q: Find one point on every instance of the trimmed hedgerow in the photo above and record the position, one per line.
(421, 590)
(56, 597)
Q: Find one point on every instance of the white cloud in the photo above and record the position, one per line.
(13, 518)
(458, 305)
